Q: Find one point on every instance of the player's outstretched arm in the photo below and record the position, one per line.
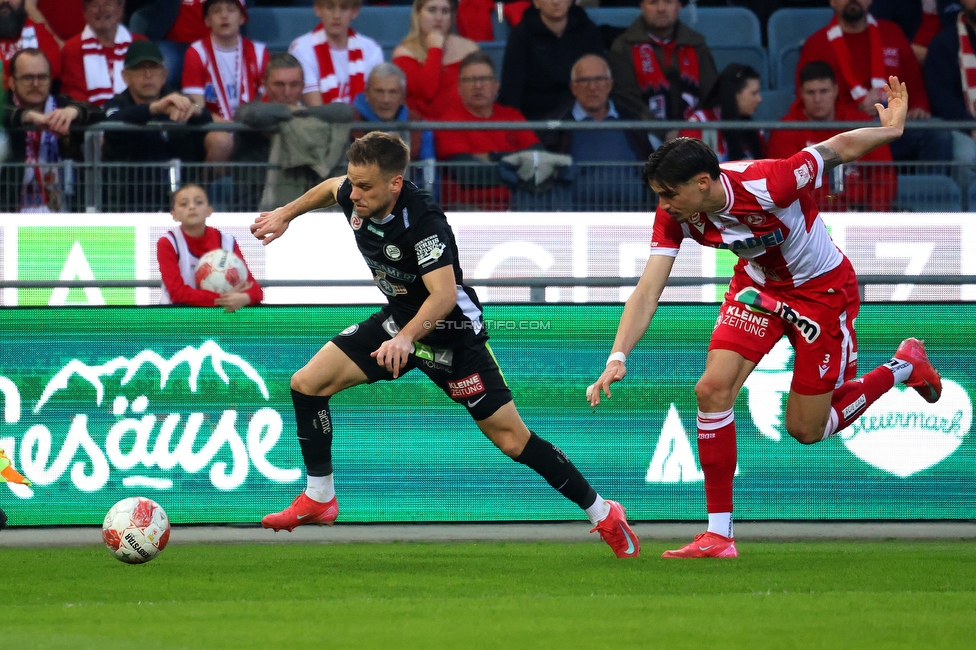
(269, 226)
(851, 145)
(635, 320)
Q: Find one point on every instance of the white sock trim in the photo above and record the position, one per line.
(720, 523)
(320, 488)
(901, 369)
(598, 511)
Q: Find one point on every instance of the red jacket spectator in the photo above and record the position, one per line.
(865, 187)
(864, 60)
(31, 35)
(64, 17)
(188, 26)
(452, 143)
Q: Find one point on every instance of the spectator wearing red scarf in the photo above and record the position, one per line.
(94, 58)
(661, 67)
(863, 53)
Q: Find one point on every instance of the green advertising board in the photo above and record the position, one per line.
(191, 407)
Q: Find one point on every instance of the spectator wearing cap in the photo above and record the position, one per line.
(19, 32)
(39, 125)
(147, 100)
(93, 60)
(173, 25)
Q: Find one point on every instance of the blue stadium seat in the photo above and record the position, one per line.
(277, 27)
(385, 25)
(786, 31)
(785, 64)
(928, 193)
(774, 105)
(751, 55)
(496, 50)
(721, 26)
(613, 16)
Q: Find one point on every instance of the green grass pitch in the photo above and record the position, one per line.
(878, 594)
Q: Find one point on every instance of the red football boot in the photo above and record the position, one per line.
(615, 531)
(706, 545)
(302, 511)
(924, 378)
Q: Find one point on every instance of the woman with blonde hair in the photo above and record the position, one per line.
(430, 55)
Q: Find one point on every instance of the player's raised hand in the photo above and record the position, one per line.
(269, 226)
(895, 114)
(615, 371)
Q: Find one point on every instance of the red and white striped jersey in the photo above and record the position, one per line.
(769, 221)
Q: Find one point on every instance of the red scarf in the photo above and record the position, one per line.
(835, 36)
(651, 76)
(967, 65)
(248, 81)
(328, 81)
(103, 65)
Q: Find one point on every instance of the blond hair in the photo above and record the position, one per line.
(414, 42)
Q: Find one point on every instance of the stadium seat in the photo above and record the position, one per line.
(277, 27)
(786, 31)
(722, 26)
(613, 16)
(496, 50)
(386, 25)
(751, 55)
(928, 193)
(785, 64)
(774, 105)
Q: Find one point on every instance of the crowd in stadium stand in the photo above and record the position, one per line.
(70, 63)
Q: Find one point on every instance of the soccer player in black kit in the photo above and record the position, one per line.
(405, 239)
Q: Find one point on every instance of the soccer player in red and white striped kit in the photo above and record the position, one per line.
(790, 274)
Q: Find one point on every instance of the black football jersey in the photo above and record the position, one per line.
(414, 239)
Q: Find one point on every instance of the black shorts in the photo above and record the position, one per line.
(466, 371)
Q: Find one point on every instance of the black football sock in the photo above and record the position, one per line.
(314, 432)
(551, 463)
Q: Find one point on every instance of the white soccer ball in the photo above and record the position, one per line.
(136, 530)
(220, 271)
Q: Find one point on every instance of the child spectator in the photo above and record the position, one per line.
(224, 70)
(735, 96)
(430, 55)
(335, 59)
(179, 251)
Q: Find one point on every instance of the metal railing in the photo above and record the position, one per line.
(96, 185)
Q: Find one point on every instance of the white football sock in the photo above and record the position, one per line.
(720, 523)
(901, 369)
(320, 488)
(598, 511)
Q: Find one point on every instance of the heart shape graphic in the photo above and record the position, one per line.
(902, 434)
